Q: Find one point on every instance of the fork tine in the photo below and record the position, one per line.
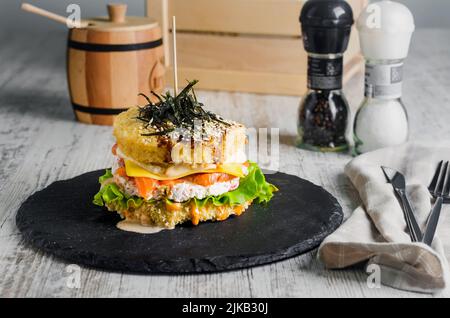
(446, 187)
(433, 183)
(439, 189)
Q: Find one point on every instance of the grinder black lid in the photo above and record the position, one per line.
(326, 26)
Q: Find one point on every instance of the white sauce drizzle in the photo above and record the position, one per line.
(138, 228)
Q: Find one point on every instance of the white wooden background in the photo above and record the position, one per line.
(40, 142)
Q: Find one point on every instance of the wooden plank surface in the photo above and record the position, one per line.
(248, 53)
(255, 82)
(261, 17)
(233, 16)
(41, 143)
(251, 64)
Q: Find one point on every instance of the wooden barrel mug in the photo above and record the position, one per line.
(110, 62)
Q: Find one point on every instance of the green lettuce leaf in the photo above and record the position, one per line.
(111, 194)
(252, 187)
(108, 175)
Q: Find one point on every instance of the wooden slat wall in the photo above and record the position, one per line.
(246, 53)
(238, 16)
(233, 16)
(253, 54)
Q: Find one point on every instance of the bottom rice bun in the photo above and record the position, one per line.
(150, 186)
(168, 214)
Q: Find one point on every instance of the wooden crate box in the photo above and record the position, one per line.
(246, 45)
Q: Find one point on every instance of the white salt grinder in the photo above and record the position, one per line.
(385, 31)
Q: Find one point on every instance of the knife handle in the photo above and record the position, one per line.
(433, 221)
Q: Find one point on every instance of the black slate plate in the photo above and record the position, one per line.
(62, 221)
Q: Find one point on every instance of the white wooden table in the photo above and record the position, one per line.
(40, 142)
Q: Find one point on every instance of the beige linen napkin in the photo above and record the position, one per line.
(376, 232)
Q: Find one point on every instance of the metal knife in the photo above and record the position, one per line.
(433, 222)
(399, 184)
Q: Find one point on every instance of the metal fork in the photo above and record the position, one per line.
(440, 190)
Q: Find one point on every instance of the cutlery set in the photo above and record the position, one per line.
(439, 188)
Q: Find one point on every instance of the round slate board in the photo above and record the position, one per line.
(62, 220)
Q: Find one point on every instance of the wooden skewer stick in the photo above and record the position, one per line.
(165, 28)
(53, 16)
(174, 53)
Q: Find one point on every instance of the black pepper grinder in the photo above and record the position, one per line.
(324, 112)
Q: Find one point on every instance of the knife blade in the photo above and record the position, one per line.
(397, 180)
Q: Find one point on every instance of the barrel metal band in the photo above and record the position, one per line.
(93, 47)
(98, 111)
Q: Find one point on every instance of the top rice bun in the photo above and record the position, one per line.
(219, 144)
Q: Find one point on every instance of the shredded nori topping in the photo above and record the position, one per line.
(171, 112)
